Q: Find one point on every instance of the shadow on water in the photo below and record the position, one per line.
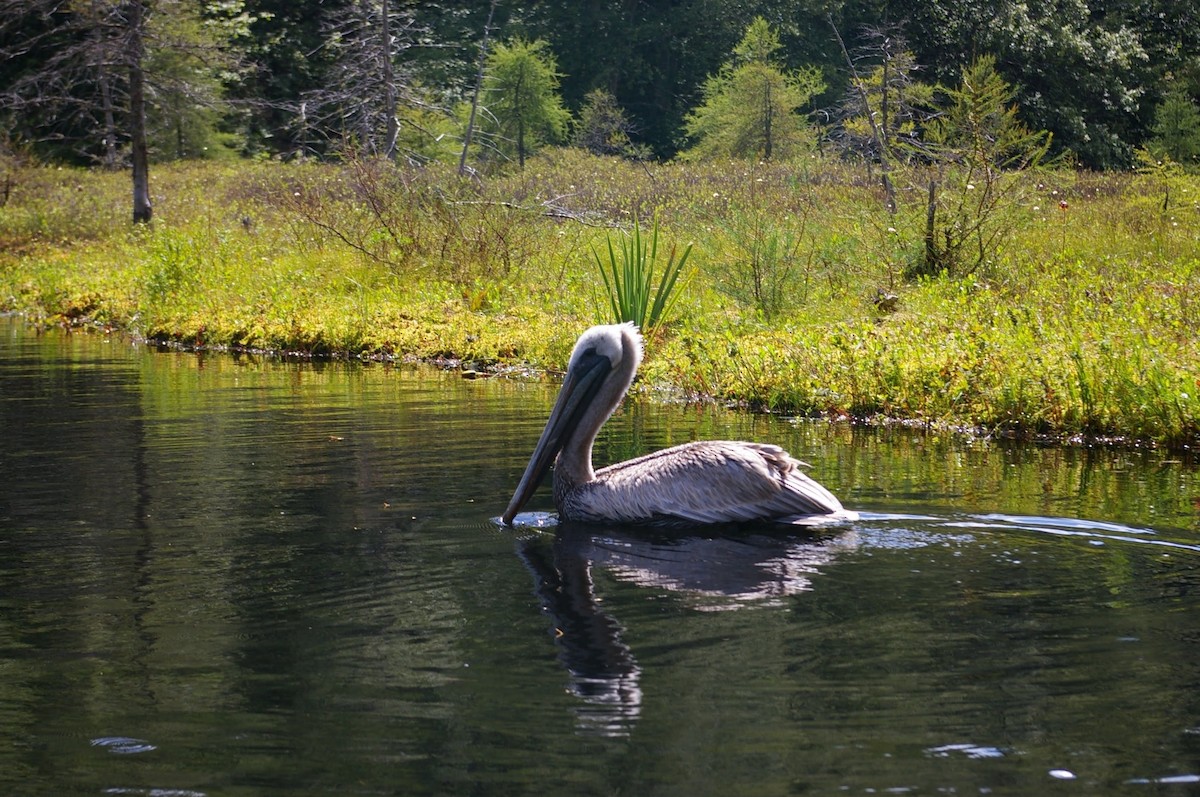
(730, 568)
(716, 569)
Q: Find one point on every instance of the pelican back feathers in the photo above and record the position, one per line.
(715, 481)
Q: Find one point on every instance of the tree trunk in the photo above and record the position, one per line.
(884, 166)
(520, 119)
(110, 119)
(366, 137)
(883, 105)
(483, 45)
(389, 82)
(142, 211)
(769, 114)
(931, 252)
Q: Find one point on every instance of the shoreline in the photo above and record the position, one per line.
(1078, 327)
(653, 392)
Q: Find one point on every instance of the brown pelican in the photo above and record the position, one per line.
(713, 481)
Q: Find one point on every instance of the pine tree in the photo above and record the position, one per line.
(1177, 130)
(751, 106)
(522, 101)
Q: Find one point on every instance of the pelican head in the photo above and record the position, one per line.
(601, 369)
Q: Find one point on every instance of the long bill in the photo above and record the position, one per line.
(583, 380)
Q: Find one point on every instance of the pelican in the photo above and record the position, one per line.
(714, 481)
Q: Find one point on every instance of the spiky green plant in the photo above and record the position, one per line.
(628, 278)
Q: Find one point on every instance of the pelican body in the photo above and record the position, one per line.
(715, 481)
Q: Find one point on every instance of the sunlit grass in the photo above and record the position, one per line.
(1083, 322)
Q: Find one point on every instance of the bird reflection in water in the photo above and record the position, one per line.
(712, 569)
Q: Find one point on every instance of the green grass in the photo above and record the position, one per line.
(633, 296)
(1081, 321)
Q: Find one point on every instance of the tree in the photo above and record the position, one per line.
(76, 61)
(284, 58)
(62, 72)
(479, 73)
(883, 113)
(139, 152)
(1177, 129)
(654, 55)
(367, 85)
(604, 129)
(750, 107)
(92, 80)
(521, 88)
(980, 145)
(1080, 68)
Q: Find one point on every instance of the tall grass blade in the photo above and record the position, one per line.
(629, 278)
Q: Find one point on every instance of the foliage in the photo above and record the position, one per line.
(766, 261)
(283, 78)
(604, 128)
(982, 148)
(629, 278)
(751, 106)
(1082, 70)
(371, 90)
(71, 67)
(1083, 323)
(889, 103)
(522, 98)
(282, 59)
(1177, 130)
(186, 64)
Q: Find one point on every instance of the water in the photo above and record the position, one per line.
(235, 576)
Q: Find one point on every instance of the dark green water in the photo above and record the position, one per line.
(224, 576)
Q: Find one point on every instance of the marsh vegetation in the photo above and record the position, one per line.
(803, 293)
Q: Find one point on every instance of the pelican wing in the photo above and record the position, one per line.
(704, 482)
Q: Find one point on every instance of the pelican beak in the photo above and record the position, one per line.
(584, 377)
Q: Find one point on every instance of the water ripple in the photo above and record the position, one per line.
(123, 745)
(156, 792)
(967, 750)
(1166, 780)
(1097, 532)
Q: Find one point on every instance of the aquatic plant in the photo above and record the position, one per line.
(633, 294)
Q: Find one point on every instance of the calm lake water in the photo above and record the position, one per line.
(228, 575)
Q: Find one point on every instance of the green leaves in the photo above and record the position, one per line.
(981, 148)
(522, 86)
(628, 274)
(1177, 130)
(750, 106)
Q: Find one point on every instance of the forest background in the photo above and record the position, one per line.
(958, 213)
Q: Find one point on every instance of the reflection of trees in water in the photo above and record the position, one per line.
(714, 571)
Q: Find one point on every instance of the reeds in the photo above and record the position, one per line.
(628, 274)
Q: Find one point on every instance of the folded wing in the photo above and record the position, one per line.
(716, 481)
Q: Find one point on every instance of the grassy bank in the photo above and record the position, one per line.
(1077, 313)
